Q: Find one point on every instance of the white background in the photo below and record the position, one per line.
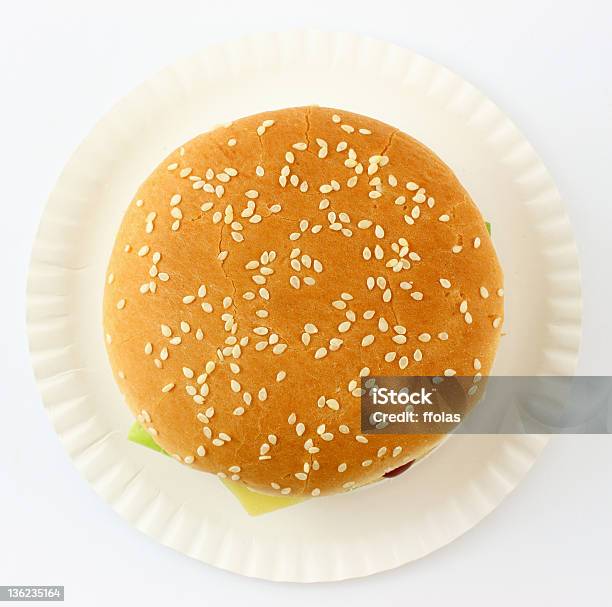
(548, 64)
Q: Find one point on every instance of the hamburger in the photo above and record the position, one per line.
(267, 266)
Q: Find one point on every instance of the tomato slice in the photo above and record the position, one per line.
(397, 471)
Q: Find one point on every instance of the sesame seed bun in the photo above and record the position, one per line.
(265, 266)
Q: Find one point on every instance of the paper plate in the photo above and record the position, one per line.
(358, 533)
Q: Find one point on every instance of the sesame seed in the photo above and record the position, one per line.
(445, 283)
(320, 353)
(333, 404)
(420, 197)
(343, 327)
(167, 387)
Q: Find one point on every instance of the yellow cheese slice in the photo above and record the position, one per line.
(258, 503)
(254, 503)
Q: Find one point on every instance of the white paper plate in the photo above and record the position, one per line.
(330, 538)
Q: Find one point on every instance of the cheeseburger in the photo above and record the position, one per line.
(265, 267)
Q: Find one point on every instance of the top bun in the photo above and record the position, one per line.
(265, 266)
